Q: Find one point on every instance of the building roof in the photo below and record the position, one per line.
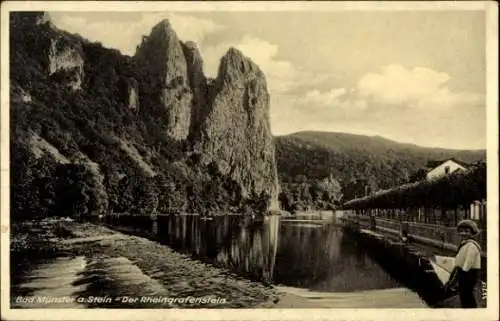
(436, 163)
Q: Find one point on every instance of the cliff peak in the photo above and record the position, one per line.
(191, 45)
(162, 37)
(234, 51)
(236, 68)
(235, 56)
(163, 26)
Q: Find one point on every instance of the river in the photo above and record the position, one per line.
(308, 259)
(296, 254)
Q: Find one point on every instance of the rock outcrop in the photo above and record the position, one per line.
(61, 52)
(161, 58)
(132, 91)
(66, 58)
(198, 85)
(236, 133)
(154, 118)
(133, 98)
(228, 123)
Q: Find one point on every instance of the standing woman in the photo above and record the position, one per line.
(467, 264)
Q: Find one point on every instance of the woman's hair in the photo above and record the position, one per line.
(468, 225)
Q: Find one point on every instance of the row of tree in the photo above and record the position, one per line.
(456, 190)
(43, 187)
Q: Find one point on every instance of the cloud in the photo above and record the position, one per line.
(393, 88)
(280, 74)
(125, 35)
(433, 111)
(418, 87)
(322, 99)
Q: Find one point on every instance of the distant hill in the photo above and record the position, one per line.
(347, 157)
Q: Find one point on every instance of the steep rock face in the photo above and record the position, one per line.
(66, 58)
(61, 53)
(133, 98)
(197, 83)
(132, 94)
(166, 82)
(236, 133)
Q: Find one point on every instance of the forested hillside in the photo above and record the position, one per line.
(360, 164)
(92, 132)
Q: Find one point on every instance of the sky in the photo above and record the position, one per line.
(411, 76)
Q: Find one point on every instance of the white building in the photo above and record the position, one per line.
(439, 169)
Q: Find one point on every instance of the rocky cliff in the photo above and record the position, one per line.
(236, 133)
(189, 145)
(65, 58)
(198, 85)
(161, 58)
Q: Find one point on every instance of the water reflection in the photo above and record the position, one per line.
(314, 255)
(245, 245)
(322, 258)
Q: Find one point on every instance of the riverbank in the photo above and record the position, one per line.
(112, 266)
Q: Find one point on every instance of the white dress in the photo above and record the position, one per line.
(469, 256)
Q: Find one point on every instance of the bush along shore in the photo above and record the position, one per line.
(92, 266)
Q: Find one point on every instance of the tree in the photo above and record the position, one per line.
(32, 180)
(418, 175)
(72, 193)
(262, 202)
(285, 201)
(78, 191)
(354, 189)
(171, 198)
(98, 197)
(125, 201)
(331, 190)
(145, 196)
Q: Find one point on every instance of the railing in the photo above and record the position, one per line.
(431, 216)
(440, 234)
